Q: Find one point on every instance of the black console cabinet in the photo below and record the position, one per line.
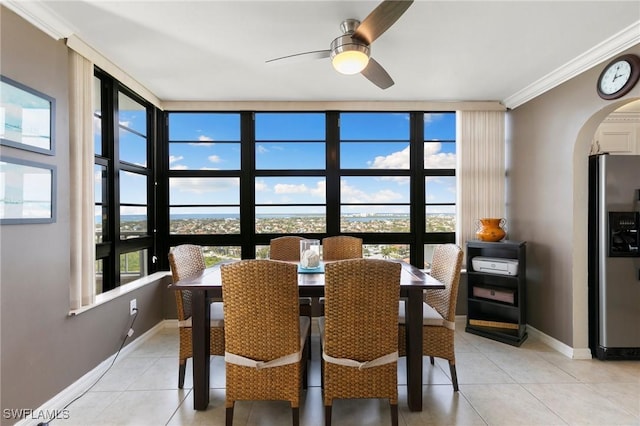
(497, 302)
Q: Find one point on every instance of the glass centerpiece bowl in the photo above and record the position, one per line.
(309, 254)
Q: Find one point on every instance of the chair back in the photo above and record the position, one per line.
(261, 313)
(445, 267)
(361, 308)
(186, 260)
(341, 247)
(285, 248)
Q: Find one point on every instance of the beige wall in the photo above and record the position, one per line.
(43, 349)
(548, 141)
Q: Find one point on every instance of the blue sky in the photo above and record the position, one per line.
(285, 141)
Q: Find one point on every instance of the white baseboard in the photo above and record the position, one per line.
(566, 350)
(53, 409)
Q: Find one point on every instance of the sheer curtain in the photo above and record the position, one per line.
(482, 169)
(81, 160)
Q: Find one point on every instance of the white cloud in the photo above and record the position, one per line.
(260, 149)
(214, 158)
(434, 159)
(285, 188)
(261, 186)
(351, 194)
(204, 185)
(374, 209)
(319, 190)
(133, 210)
(174, 158)
(201, 139)
(400, 180)
(395, 160)
(433, 116)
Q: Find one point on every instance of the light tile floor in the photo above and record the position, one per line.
(499, 385)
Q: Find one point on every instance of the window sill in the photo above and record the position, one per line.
(103, 298)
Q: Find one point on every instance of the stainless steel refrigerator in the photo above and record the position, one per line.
(614, 256)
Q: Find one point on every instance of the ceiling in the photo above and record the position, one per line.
(506, 51)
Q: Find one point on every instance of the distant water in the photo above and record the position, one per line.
(357, 218)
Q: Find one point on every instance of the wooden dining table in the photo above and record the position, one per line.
(208, 284)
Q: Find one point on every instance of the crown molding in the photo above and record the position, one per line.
(621, 117)
(332, 105)
(37, 14)
(615, 44)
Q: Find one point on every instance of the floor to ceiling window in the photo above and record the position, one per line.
(124, 129)
(204, 181)
(439, 180)
(237, 179)
(375, 180)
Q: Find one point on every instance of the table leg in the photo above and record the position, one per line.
(201, 337)
(413, 321)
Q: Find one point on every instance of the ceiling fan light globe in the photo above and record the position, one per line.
(350, 62)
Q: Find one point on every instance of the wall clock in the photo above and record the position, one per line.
(619, 77)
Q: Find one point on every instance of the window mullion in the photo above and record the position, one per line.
(417, 188)
(247, 184)
(333, 173)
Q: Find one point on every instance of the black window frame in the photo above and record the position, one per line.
(112, 246)
(249, 240)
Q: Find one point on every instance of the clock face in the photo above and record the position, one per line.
(619, 77)
(615, 77)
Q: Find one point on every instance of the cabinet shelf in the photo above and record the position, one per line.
(492, 279)
(513, 306)
(500, 314)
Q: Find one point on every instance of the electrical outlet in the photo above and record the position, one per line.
(133, 307)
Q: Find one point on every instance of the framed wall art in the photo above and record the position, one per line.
(27, 192)
(27, 117)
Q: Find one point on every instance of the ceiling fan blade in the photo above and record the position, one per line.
(315, 54)
(380, 19)
(377, 75)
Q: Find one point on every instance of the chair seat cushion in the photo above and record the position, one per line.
(217, 316)
(429, 315)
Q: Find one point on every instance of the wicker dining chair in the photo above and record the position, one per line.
(287, 248)
(359, 333)
(439, 310)
(341, 247)
(186, 261)
(266, 355)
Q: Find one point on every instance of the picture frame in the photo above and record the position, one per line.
(27, 117)
(27, 192)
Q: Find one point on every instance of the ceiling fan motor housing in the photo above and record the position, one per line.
(346, 43)
(346, 46)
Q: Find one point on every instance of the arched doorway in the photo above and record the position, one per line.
(581, 151)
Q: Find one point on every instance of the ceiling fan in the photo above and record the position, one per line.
(350, 52)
